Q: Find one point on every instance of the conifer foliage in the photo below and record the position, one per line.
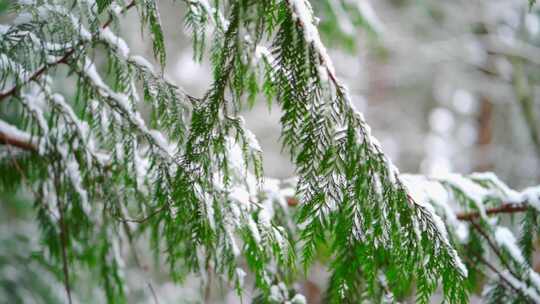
(188, 178)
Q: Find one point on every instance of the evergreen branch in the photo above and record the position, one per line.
(207, 191)
(339, 195)
(35, 76)
(62, 59)
(147, 217)
(512, 281)
(504, 208)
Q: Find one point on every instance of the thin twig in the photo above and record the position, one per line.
(208, 289)
(21, 171)
(64, 241)
(497, 272)
(145, 218)
(37, 196)
(125, 9)
(127, 229)
(493, 247)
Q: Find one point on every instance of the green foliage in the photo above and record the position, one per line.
(103, 4)
(189, 178)
(150, 15)
(513, 278)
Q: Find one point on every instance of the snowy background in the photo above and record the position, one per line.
(435, 84)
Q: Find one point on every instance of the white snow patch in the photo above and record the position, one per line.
(250, 137)
(14, 133)
(4, 29)
(262, 52)
(421, 198)
(529, 291)
(469, 188)
(141, 61)
(304, 14)
(7, 64)
(240, 195)
(507, 194)
(532, 196)
(298, 299)
(367, 11)
(505, 238)
(122, 101)
(74, 173)
(240, 274)
(118, 43)
(234, 246)
(254, 230)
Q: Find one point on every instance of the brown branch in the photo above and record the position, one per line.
(496, 271)
(491, 267)
(35, 75)
(145, 218)
(504, 208)
(109, 21)
(464, 216)
(129, 234)
(504, 263)
(63, 59)
(64, 239)
(493, 247)
(15, 142)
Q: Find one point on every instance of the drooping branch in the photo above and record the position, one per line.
(504, 208)
(62, 59)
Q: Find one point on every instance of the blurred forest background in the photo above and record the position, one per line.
(447, 86)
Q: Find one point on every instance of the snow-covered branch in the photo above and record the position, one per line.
(63, 59)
